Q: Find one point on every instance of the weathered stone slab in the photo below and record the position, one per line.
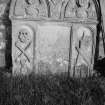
(53, 36)
(46, 47)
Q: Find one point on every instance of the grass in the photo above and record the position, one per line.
(51, 90)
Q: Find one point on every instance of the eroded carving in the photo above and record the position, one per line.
(80, 9)
(23, 45)
(56, 9)
(36, 8)
(70, 9)
(83, 48)
(31, 8)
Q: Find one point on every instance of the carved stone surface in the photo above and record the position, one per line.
(57, 8)
(31, 8)
(48, 36)
(52, 48)
(22, 50)
(80, 9)
(54, 9)
(45, 48)
(83, 49)
(70, 9)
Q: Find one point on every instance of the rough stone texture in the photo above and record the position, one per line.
(53, 36)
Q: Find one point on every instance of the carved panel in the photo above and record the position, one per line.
(55, 9)
(31, 8)
(23, 50)
(83, 47)
(70, 9)
(80, 9)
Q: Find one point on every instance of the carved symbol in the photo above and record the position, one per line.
(56, 8)
(22, 44)
(23, 37)
(79, 53)
(22, 61)
(78, 50)
(23, 51)
(83, 33)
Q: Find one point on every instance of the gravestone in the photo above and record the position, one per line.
(53, 36)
